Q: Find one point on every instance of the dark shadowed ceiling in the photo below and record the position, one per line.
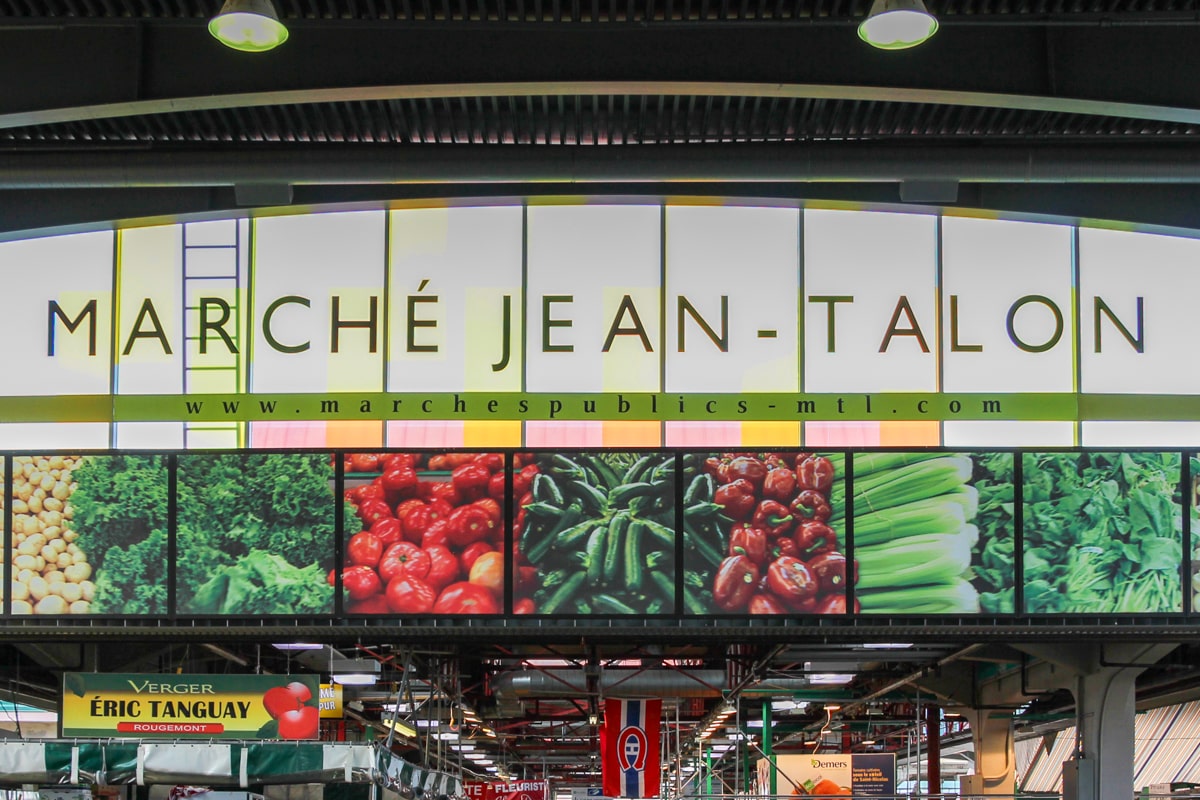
(128, 108)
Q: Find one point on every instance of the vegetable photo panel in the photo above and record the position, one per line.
(256, 534)
(934, 533)
(1102, 533)
(595, 533)
(89, 534)
(426, 535)
(764, 533)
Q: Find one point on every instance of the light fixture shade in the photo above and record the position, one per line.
(897, 24)
(356, 679)
(251, 26)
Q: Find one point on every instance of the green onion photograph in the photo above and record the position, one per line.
(933, 533)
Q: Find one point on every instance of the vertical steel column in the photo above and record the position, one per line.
(933, 747)
(768, 747)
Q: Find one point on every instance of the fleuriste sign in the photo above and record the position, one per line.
(600, 313)
(190, 706)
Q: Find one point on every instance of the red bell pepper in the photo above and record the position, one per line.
(495, 488)
(766, 604)
(830, 569)
(737, 499)
(815, 472)
(811, 504)
(831, 604)
(773, 517)
(780, 484)
(784, 546)
(814, 537)
(791, 581)
(734, 584)
(748, 468)
(748, 541)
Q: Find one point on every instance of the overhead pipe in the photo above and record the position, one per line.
(664, 683)
(502, 164)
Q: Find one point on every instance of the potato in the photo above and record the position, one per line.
(38, 588)
(51, 604)
(77, 573)
(21, 607)
(80, 607)
(71, 592)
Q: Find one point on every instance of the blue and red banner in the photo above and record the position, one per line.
(629, 742)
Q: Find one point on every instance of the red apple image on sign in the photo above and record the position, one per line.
(291, 717)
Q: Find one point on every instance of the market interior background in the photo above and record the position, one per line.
(116, 109)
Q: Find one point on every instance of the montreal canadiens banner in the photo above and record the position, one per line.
(630, 744)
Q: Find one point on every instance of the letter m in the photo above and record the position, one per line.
(329, 406)
(71, 325)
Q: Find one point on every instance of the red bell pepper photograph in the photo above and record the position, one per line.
(762, 533)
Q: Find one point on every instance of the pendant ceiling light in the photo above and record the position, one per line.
(897, 24)
(251, 26)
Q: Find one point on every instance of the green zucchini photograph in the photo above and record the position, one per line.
(1103, 532)
(595, 534)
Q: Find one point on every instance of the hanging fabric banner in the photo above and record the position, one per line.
(631, 763)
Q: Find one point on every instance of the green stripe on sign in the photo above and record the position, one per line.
(57, 408)
(1140, 407)
(545, 406)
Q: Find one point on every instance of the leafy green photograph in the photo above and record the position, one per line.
(256, 534)
(1103, 533)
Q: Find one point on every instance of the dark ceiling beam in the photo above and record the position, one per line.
(139, 61)
(1169, 206)
(858, 162)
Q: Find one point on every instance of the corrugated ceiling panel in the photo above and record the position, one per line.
(591, 119)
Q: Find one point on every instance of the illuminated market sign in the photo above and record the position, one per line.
(601, 312)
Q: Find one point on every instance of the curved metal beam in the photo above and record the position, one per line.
(796, 91)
